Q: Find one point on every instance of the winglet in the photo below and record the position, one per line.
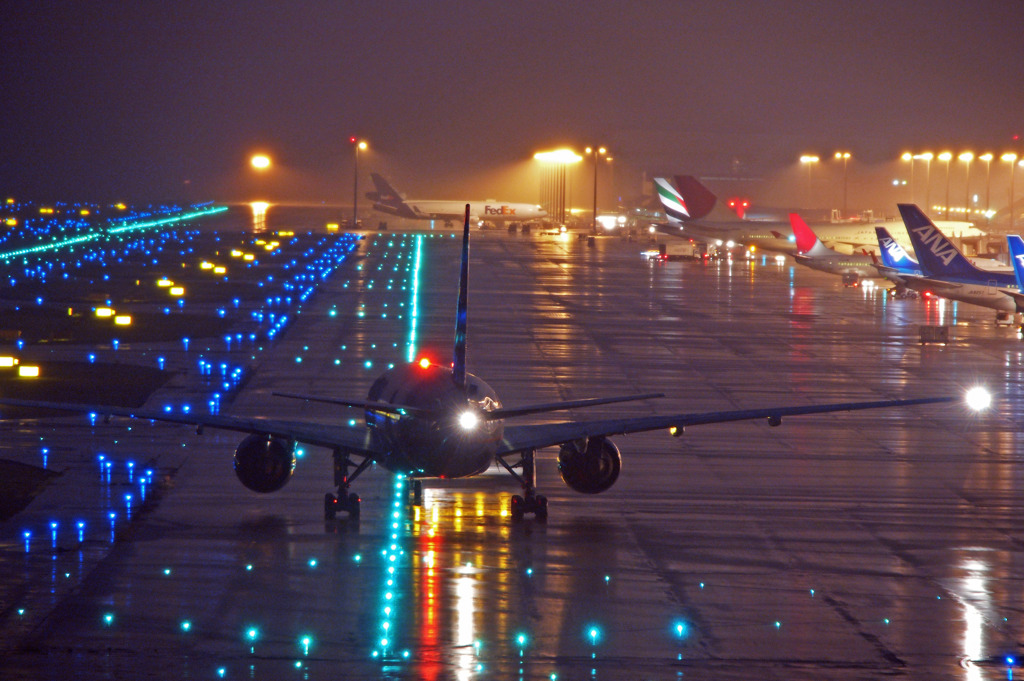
(459, 354)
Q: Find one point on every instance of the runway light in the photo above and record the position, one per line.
(978, 398)
(26, 371)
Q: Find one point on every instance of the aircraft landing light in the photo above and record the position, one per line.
(468, 420)
(978, 398)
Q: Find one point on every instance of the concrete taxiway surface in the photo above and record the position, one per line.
(844, 546)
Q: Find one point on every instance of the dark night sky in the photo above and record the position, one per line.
(127, 100)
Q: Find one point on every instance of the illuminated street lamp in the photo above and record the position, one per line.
(260, 161)
(357, 146)
(555, 162)
(987, 158)
(599, 151)
(967, 157)
(845, 156)
(909, 158)
(927, 158)
(1011, 158)
(809, 161)
(946, 156)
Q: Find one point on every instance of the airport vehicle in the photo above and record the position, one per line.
(428, 420)
(948, 273)
(693, 207)
(387, 200)
(817, 256)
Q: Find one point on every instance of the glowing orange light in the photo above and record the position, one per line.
(425, 363)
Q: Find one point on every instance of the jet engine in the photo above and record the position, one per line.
(264, 463)
(589, 466)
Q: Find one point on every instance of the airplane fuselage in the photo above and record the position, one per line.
(428, 437)
(451, 211)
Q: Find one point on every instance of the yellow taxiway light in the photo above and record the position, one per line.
(123, 320)
(164, 282)
(248, 257)
(286, 232)
(235, 253)
(220, 269)
(85, 211)
(206, 265)
(11, 202)
(120, 206)
(177, 290)
(259, 242)
(46, 211)
(332, 226)
(28, 371)
(11, 222)
(104, 312)
(7, 362)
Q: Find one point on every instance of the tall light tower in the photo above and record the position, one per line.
(909, 158)
(357, 146)
(967, 157)
(927, 158)
(1011, 158)
(596, 153)
(809, 161)
(987, 158)
(947, 157)
(845, 156)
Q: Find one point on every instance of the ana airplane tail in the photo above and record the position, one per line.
(938, 255)
(893, 255)
(807, 242)
(1016, 245)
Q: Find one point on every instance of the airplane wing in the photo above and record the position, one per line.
(520, 438)
(357, 440)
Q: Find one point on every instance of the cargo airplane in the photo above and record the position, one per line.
(387, 200)
(427, 420)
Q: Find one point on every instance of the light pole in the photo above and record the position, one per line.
(357, 146)
(927, 157)
(909, 158)
(1011, 158)
(556, 161)
(946, 156)
(967, 157)
(987, 158)
(809, 161)
(599, 151)
(845, 156)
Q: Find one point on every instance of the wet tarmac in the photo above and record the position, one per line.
(845, 546)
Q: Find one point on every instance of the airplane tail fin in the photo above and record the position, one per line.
(1017, 258)
(893, 255)
(936, 253)
(671, 201)
(702, 202)
(459, 353)
(807, 242)
(387, 199)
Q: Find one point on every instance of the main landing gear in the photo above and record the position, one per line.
(344, 500)
(530, 501)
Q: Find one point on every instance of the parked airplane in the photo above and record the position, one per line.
(695, 208)
(426, 420)
(948, 272)
(896, 264)
(387, 200)
(816, 255)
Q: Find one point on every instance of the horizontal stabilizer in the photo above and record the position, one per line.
(387, 407)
